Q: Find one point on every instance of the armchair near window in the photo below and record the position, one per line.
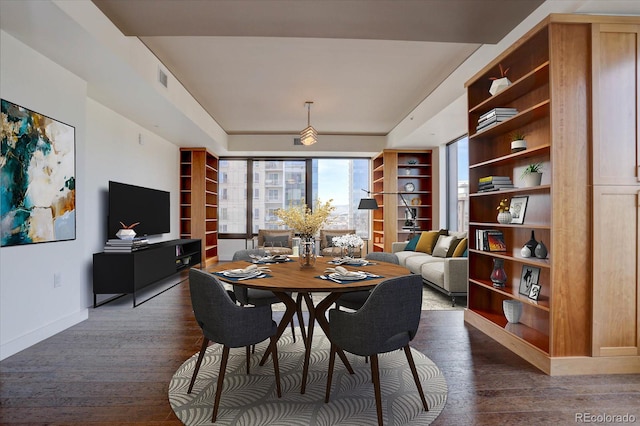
(326, 242)
(276, 241)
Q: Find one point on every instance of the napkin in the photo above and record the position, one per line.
(248, 269)
(346, 273)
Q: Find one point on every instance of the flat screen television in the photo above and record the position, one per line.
(130, 204)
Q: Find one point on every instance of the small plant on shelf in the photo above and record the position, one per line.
(532, 168)
(504, 215)
(503, 73)
(503, 206)
(518, 143)
(532, 175)
(499, 83)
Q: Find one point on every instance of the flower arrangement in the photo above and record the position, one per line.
(348, 240)
(503, 207)
(303, 221)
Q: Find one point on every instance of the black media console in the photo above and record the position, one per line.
(128, 273)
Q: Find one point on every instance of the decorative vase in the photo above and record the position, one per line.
(531, 244)
(512, 310)
(504, 217)
(541, 251)
(126, 234)
(498, 275)
(525, 252)
(307, 253)
(499, 85)
(349, 251)
(532, 179)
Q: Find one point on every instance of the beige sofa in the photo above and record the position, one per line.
(447, 274)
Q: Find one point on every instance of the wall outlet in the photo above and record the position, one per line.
(57, 280)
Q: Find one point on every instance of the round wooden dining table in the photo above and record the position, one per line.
(288, 277)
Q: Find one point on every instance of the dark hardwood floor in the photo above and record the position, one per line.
(115, 368)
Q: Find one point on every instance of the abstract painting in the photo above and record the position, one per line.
(37, 178)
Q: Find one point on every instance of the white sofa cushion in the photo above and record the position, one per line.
(414, 263)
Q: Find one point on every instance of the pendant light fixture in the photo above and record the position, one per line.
(308, 136)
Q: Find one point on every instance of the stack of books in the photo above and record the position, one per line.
(495, 116)
(490, 240)
(116, 245)
(494, 183)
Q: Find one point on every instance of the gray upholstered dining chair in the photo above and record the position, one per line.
(233, 326)
(253, 296)
(387, 321)
(355, 299)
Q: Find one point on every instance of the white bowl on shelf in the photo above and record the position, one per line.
(512, 310)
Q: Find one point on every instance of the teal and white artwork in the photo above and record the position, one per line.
(37, 178)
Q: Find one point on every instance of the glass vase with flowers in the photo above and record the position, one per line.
(306, 223)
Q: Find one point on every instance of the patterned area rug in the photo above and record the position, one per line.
(251, 400)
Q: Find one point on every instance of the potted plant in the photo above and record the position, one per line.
(127, 232)
(499, 83)
(532, 174)
(518, 143)
(504, 215)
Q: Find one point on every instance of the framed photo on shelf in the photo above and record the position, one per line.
(529, 278)
(535, 292)
(518, 207)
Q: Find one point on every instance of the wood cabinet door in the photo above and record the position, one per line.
(616, 292)
(616, 104)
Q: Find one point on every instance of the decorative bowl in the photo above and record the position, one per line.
(512, 310)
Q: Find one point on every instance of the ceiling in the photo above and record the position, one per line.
(366, 64)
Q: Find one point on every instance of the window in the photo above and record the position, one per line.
(274, 184)
(233, 190)
(343, 181)
(457, 197)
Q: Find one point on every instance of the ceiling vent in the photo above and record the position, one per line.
(162, 78)
(296, 141)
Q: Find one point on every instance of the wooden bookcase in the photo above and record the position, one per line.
(551, 73)
(199, 199)
(393, 171)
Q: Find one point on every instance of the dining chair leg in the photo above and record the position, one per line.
(414, 371)
(332, 360)
(375, 375)
(276, 365)
(203, 349)
(248, 359)
(223, 368)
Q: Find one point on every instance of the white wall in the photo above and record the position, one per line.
(107, 148)
(31, 309)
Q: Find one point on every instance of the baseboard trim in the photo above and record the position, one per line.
(23, 342)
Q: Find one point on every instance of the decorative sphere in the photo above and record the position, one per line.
(525, 252)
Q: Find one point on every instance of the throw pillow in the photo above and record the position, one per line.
(411, 245)
(442, 245)
(428, 240)
(276, 241)
(453, 246)
(461, 248)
